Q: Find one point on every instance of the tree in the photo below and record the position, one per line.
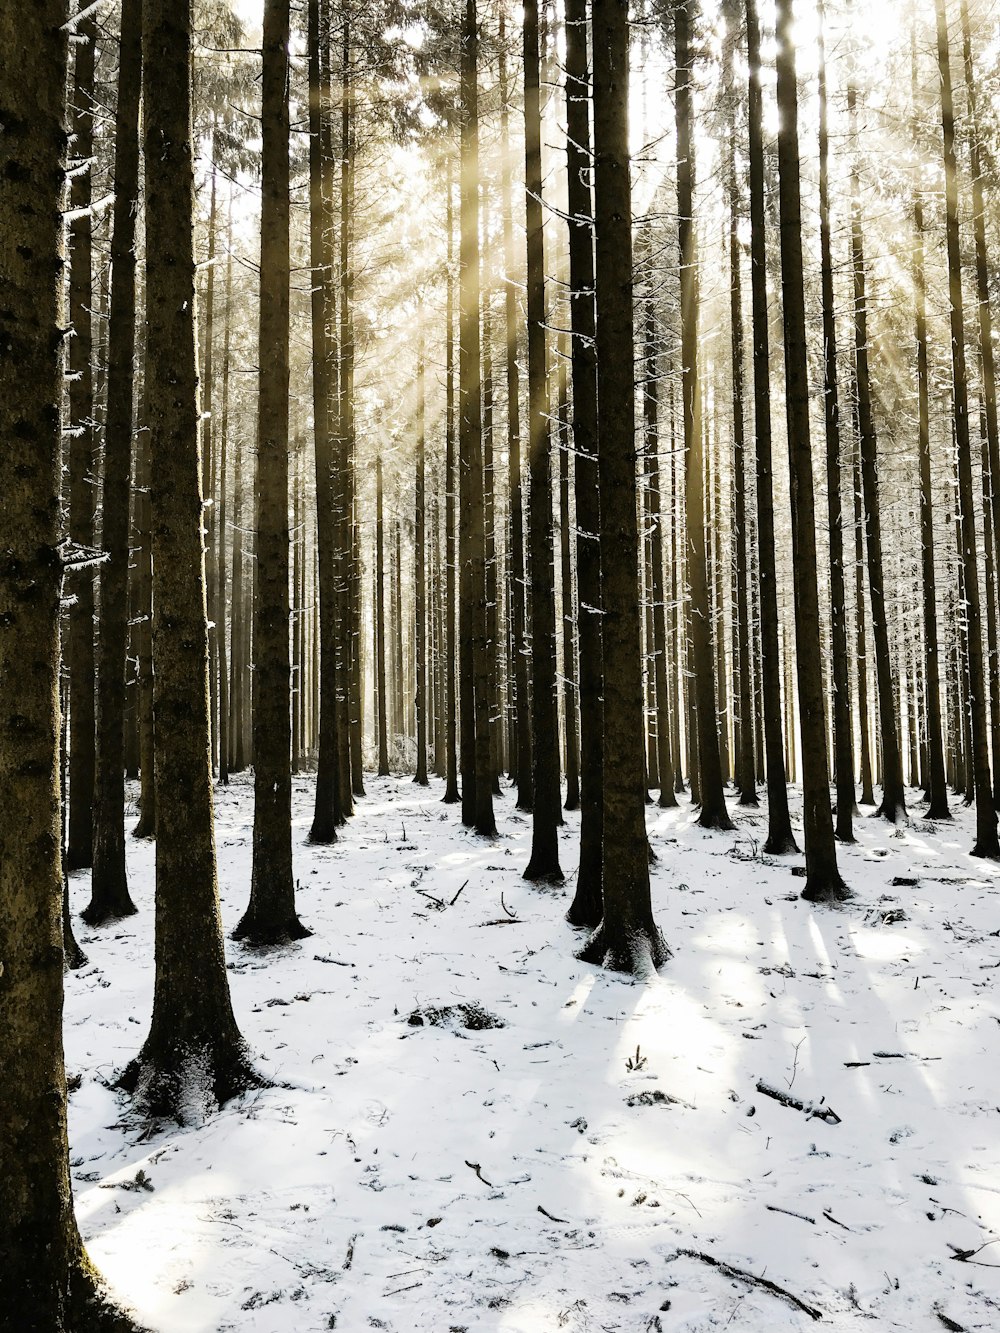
(110, 897)
(627, 938)
(543, 863)
(986, 844)
(419, 576)
(823, 881)
(843, 743)
(779, 826)
(713, 801)
(586, 908)
(271, 917)
(49, 1285)
(194, 1056)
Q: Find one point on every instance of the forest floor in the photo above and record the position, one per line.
(575, 1166)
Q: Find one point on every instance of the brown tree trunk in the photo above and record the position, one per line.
(713, 801)
(271, 917)
(627, 938)
(110, 897)
(82, 457)
(586, 908)
(843, 740)
(823, 881)
(194, 1047)
(48, 1282)
(543, 864)
(420, 580)
(779, 827)
(986, 844)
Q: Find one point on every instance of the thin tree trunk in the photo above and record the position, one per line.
(823, 881)
(713, 801)
(893, 806)
(223, 531)
(779, 828)
(271, 917)
(986, 844)
(82, 457)
(379, 613)
(419, 579)
(543, 864)
(843, 746)
(572, 801)
(451, 794)
(586, 907)
(110, 897)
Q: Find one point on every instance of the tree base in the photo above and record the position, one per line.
(938, 810)
(781, 843)
(544, 870)
(749, 801)
(892, 810)
(146, 828)
(639, 952)
(668, 799)
(103, 913)
(716, 820)
(323, 832)
(258, 933)
(827, 889)
(987, 849)
(187, 1083)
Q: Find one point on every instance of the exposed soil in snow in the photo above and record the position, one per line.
(471, 1130)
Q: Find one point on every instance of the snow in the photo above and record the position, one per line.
(558, 1171)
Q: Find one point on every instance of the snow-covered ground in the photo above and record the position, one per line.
(550, 1172)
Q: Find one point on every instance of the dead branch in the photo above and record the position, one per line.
(741, 1275)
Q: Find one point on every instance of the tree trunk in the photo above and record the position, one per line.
(779, 827)
(48, 1282)
(572, 801)
(627, 938)
(893, 806)
(938, 793)
(82, 457)
(986, 844)
(843, 740)
(586, 908)
(543, 864)
(451, 792)
(270, 917)
(713, 801)
(379, 613)
(194, 1048)
(470, 429)
(420, 580)
(221, 605)
(110, 897)
(823, 881)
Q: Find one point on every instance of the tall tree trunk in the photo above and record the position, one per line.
(206, 381)
(378, 611)
(570, 712)
(110, 897)
(843, 740)
(937, 807)
(48, 1281)
(470, 431)
(893, 806)
(327, 811)
(986, 843)
(82, 455)
(586, 907)
(194, 1046)
(779, 827)
(522, 708)
(451, 793)
(545, 811)
(238, 663)
(823, 881)
(223, 530)
(420, 577)
(713, 801)
(270, 916)
(627, 938)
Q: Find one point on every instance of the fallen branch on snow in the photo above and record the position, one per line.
(741, 1275)
(812, 1110)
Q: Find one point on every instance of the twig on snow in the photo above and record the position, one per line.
(474, 1166)
(741, 1275)
(773, 1208)
(812, 1110)
(551, 1216)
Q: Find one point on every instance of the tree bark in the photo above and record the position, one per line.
(779, 827)
(543, 864)
(271, 917)
(627, 938)
(110, 897)
(194, 1054)
(823, 881)
(986, 844)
